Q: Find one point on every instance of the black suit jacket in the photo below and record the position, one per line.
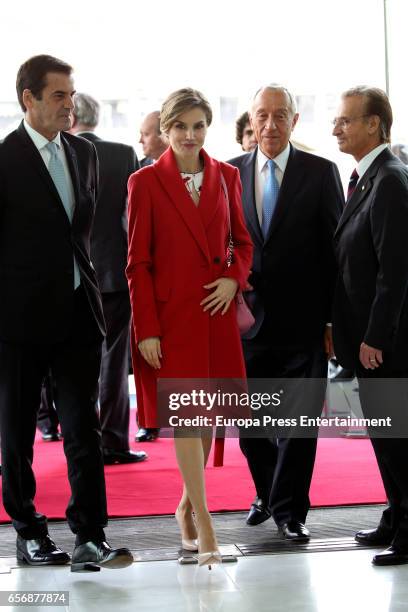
(371, 241)
(146, 161)
(294, 270)
(109, 232)
(37, 241)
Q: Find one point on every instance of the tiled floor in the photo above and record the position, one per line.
(318, 582)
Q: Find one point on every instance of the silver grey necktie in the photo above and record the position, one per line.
(57, 172)
(56, 169)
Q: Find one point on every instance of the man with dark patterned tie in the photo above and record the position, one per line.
(51, 316)
(370, 314)
(292, 201)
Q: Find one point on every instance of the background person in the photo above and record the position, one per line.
(151, 139)
(401, 151)
(154, 144)
(244, 134)
(109, 256)
(47, 418)
(181, 288)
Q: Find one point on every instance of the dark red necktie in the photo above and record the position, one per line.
(352, 184)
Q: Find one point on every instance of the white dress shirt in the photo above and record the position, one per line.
(262, 172)
(364, 163)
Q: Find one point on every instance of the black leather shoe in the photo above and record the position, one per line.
(258, 512)
(91, 556)
(111, 457)
(294, 531)
(391, 556)
(147, 434)
(41, 551)
(50, 434)
(374, 537)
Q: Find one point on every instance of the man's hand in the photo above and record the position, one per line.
(370, 357)
(151, 351)
(328, 342)
(222, 296)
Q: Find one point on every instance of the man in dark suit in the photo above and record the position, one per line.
(109, 256)
(51, 316)
(151, 139)
(47, 417)
(154, 144)
(292, 201)
(370, 319)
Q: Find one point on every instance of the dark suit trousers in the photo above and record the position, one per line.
(282, 468)
(74, 365)
(384, 392)
(113, 386)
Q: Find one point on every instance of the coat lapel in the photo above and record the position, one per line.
(211, 196)
(293, 176)
(247, 171)
(36, 161)
(363, 188)
(168, 175)
(73, 170)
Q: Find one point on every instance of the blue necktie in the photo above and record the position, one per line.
(270, 197)
(57, 172)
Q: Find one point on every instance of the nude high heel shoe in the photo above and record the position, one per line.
(189, 545)
(209, 558)
(186, 544)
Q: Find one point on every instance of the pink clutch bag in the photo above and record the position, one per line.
(245, 318)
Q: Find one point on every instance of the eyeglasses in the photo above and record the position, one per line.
(345, 122)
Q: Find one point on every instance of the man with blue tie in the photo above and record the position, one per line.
(51, 316)
(292, 202)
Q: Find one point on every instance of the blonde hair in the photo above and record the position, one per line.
(180, 102)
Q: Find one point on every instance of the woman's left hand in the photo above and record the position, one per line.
(222, 296)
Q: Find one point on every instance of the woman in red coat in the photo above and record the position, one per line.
(181, 288)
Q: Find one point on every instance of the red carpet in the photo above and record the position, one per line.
(345, 473)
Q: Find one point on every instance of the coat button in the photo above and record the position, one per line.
(217, 260)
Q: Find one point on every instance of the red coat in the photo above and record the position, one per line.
(175, 248)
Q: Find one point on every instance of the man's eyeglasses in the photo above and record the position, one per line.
(345, 122)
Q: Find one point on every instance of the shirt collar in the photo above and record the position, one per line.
(280, 160)
(38, 139)
(364, 163)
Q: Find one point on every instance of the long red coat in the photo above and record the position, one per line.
(175, 248)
